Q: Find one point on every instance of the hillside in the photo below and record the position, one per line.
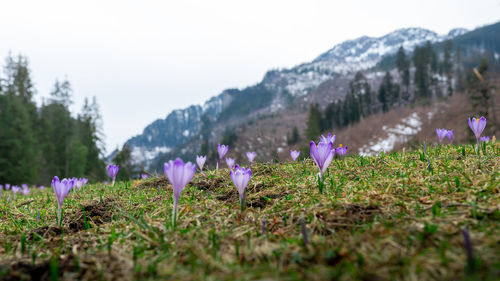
(398, 216)
(279, 91)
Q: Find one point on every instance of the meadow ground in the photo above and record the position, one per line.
(394, 216)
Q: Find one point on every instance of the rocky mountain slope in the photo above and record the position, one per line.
(281, 92)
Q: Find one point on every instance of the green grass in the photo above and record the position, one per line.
(395, 216)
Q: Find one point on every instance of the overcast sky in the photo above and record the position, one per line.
(144, 58)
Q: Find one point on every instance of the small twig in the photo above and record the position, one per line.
(25, 203)
(344, 224)
(305, 236)
(455, 205)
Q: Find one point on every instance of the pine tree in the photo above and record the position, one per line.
(458, 70)
(90, 135)
(382, 96)
(313, 123)
(124, 160)
(447, 65)
(18, 154)
(403, 66)
(479, 90)
(422, 76)
(294, 136)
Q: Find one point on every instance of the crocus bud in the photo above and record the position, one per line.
(294, 154)
(240, 178)
(250, 156)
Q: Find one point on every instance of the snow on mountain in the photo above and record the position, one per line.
(457, 32)
(346, 58)
(177, 128)
(350, 56)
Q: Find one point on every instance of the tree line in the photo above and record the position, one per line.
(40, 142)
(416, 79)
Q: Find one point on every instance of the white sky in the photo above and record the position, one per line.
(144, 58)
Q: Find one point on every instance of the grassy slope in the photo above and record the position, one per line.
(383, 217)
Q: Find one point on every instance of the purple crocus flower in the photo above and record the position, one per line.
(23, 186)
(144, 176)
(113, 171)
(477, 126)
(61, 189)
(251, 156)
(200, 160)
(294, 154)
(7, 186)
(341, 151)
(484, 139)
(449, 136)
(179, 174)
(229, 162)
(26, 190)
(1, 187)
(15, 189)
(322, 154)
(441, 133)
(80, 182)
(240, 178)
(327, 139)
(221, 150)
(41, 187)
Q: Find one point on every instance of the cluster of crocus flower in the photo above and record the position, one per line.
(322, 154)
(112, 172)
(80, 182)
(341, 151)
(25, 190)
(61, 189)
(442, 133)
(484, 139)
(240, 177)
(15, 189)
(144, 176)
(179, 174)
(477, 126)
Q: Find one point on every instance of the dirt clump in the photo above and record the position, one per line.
(71, 267)
(347, 216)
(95, 213)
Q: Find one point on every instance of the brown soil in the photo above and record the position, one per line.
(161, 181)
(348, 216)
(83, 267)
(95, 213)
(204, 183)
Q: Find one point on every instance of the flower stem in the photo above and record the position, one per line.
(321, 183)
(174, 216)
(242, 201)
(59, 219)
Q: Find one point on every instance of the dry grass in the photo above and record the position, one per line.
(388, 217)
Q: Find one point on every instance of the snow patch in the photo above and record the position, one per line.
(410, 125)
(142, 155)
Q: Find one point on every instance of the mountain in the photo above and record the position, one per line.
(279, 91)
